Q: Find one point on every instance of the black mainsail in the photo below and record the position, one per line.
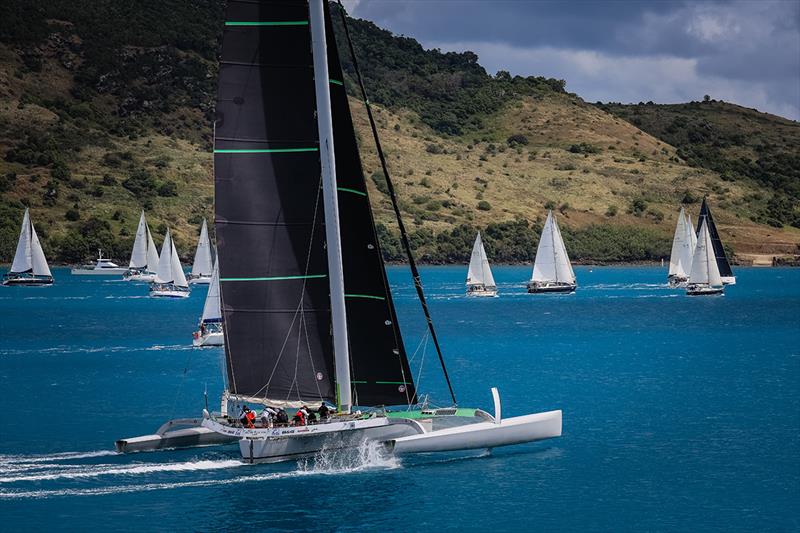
(270, 222)
(379, 367)
(719, 250)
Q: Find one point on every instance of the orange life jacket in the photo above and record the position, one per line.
(251, 416)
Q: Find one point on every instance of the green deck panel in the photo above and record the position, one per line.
(417, 413)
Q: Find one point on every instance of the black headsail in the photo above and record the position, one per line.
(380, 372)
(269, 208)
(719, 250)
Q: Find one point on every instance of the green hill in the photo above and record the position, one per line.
(106, 108)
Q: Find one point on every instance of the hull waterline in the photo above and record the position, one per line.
(209, 339)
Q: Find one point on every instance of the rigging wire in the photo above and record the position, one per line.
(403, 236)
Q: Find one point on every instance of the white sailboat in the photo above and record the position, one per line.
(170, 281)
(30, 267)
(202, 268)
(704, 278)
(680, 259)
(144, 256)
(552, 271)
(308, 311)
(480, 281)
(210, 331)
(102, 267)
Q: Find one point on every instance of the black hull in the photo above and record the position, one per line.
(27, 282)
(704, 292)
(565, 289)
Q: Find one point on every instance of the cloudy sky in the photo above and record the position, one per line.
(746, 52)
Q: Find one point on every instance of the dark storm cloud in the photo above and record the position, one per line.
(743, 51)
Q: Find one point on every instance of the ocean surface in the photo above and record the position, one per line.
(680, 413)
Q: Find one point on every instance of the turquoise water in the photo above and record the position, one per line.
(679, 413)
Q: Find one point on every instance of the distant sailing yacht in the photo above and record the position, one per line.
(202, 268)
(144, 256)
(170, 281)
(704, 278)
(723, 265)
(480, 281)
(680, 260)
(29, 268)
(552, 271)
(210, 330)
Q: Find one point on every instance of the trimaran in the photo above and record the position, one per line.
(307, 309)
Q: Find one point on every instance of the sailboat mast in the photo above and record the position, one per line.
(329, 191)
(553, 240)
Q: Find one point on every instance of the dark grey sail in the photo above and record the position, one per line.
(269, 209)
(719, 250)
(270, 222)
(380, 373)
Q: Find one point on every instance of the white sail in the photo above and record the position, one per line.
(152, 253)
(202, 265)
(479, 271)
(552, 262)
(211, 309)
(704, 263)
(680, 246)
(22, 257)
(38, 261)
(692, 234)
(178, 277)
(564, 270)
(689, 246)
(139, 252)
(164, 270)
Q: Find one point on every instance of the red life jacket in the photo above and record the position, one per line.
(251, 416)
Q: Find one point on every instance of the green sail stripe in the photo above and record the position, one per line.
(265, 150)
(336, 82)
(392, 383)
(268, 23)
(356, 381)
(368, 296)
(345, 189)
(277, 278)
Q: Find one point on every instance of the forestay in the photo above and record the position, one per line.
(38, 261)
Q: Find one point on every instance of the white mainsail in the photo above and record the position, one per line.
(139, 252)
(202, 265)
(679, 261)
(704, 263)
(552, 262)
(152, 253)
(692, 236)
(178, 277)
(479, 271)
(22, 257)
(164, 271)
(38, 261)
(211, 309)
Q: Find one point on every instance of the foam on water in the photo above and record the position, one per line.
(369, 455)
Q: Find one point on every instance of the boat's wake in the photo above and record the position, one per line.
(58, 475)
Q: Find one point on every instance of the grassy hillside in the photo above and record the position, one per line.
(106, 108)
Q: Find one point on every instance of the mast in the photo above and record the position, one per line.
(553, 240)
(331, 202)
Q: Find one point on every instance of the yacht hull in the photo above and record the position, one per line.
(729, 280)
(139, 276)
(482, 292)
(98, 271)
(704, 291)
(173, 294)
(216, 338)
(554, 289)
(27, 281)
(200, 281)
